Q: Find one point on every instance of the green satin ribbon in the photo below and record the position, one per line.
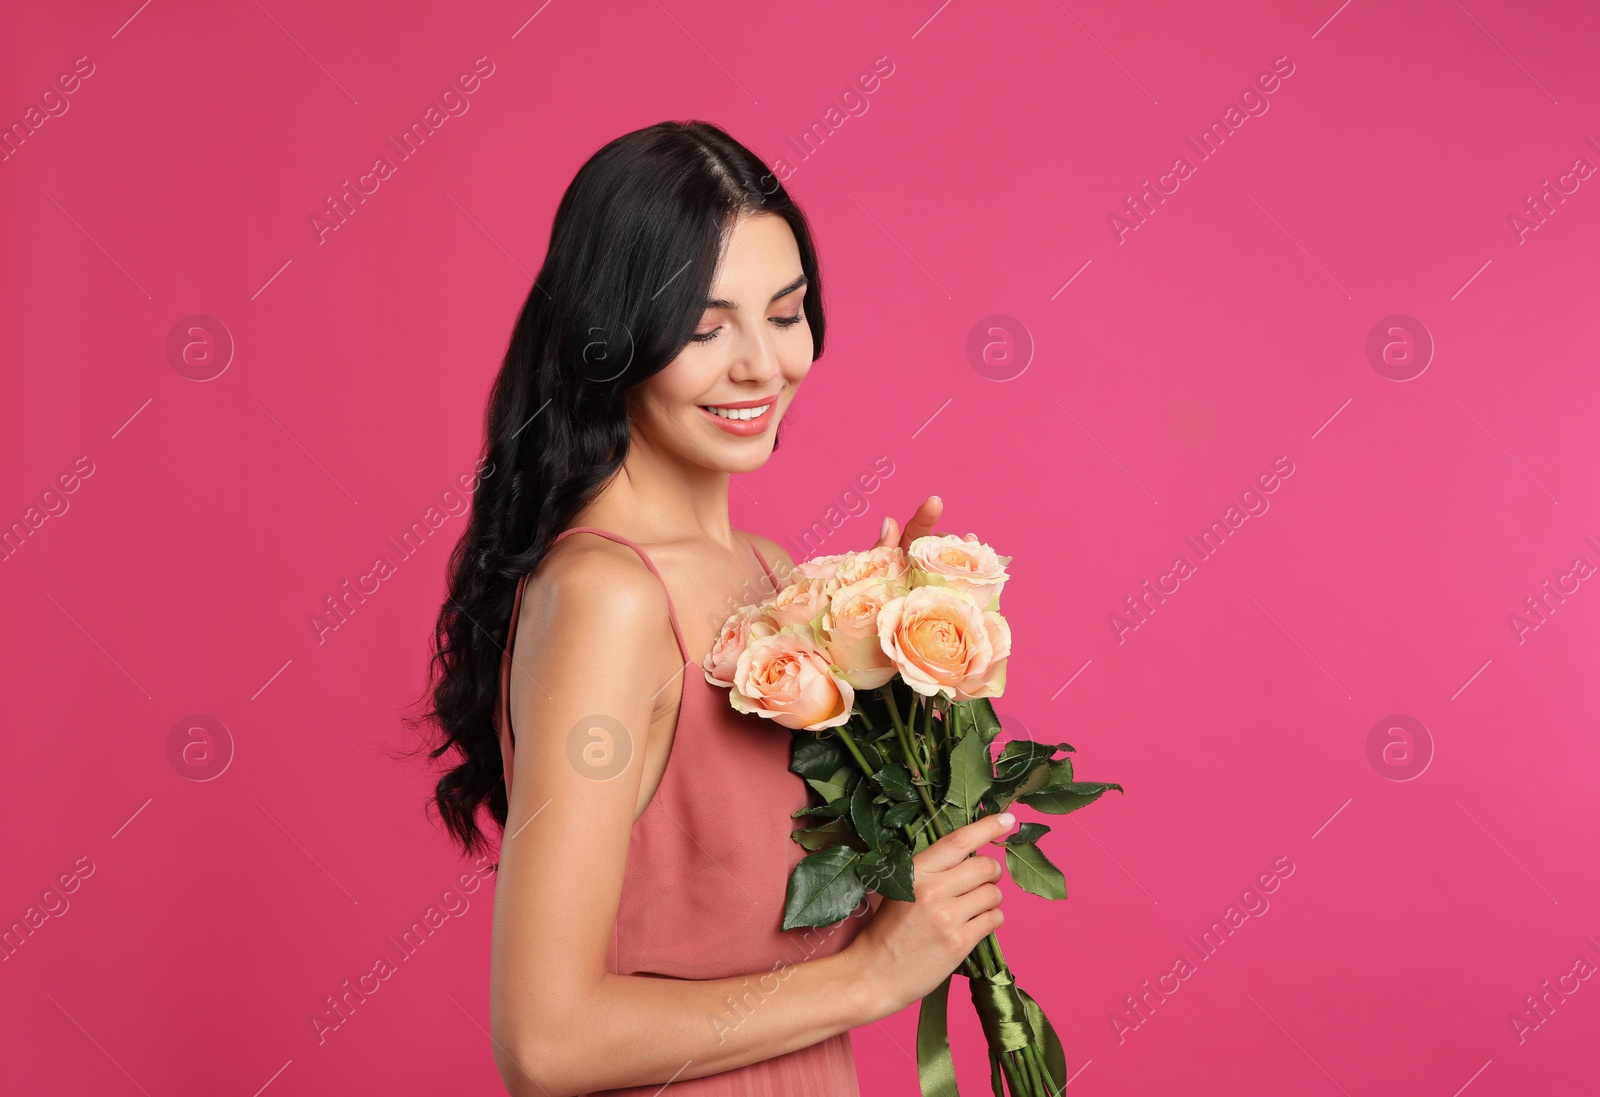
(1000, 1008)
(1044, 1035)
(1011, 1020)
(935, 1071)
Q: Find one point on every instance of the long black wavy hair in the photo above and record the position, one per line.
(633, 250)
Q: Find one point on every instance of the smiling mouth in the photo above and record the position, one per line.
(738, 414)
(747, 422)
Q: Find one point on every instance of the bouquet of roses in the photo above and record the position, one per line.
(883, 662)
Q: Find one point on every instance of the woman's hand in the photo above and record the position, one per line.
(908, 948)
(920, 525)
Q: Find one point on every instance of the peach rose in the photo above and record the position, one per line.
(787, 678)
(820, 567)
(941, 642)
(800, 603)
(745, 624)
(850, 631)
(884, 562)
(961, 563)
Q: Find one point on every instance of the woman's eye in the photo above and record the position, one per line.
(781, 321)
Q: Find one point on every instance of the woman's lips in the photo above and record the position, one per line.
(744, 428)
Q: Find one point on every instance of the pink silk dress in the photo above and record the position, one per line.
(707, 870)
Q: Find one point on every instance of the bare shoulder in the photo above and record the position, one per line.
(593, 636)
(592, 588)
(777, 559)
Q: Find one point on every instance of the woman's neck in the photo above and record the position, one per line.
(661, 498)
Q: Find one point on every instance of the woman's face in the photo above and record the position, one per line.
(747, 357)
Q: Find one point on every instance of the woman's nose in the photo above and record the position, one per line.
(757, 358)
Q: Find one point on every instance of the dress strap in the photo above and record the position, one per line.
(774, 579)
(621, 540)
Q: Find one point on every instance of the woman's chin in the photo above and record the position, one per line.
(732, 452)
(744, 456)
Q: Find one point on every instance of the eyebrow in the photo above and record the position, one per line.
(719, 303)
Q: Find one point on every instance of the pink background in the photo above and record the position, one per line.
(1171, 370)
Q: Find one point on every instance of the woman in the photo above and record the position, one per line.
(643, 869)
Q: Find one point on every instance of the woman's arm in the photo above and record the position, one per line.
(591, 641)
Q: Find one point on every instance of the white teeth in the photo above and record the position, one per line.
(739, 413)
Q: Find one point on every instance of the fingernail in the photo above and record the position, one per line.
(935, 499)
(884, 531)
(1008, 819)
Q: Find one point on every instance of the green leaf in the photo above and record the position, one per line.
(895, 780)
(1060, 774)
(970, 773)
(864, 813)
(835, 787)
(1023, 753)
(871, 751)
(1045, 775)
(818, 757)
(901, 813)
(1032, 783)
(832, 833)
(979, 714)
(1068, 797)
(819, 811)
(888, 871)
(1057, 774)
(823, 888)
(1018, 757)
(1033, 872)
(1027, 834)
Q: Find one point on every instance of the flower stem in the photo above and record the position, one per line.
(1025, 1070)
(855, 750)
(1016, 1069)
(903, 737)
(933, 812)
(911, 835)
(1036, 1053)
(1041, 1076)
(929, 741)
(894, 710)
